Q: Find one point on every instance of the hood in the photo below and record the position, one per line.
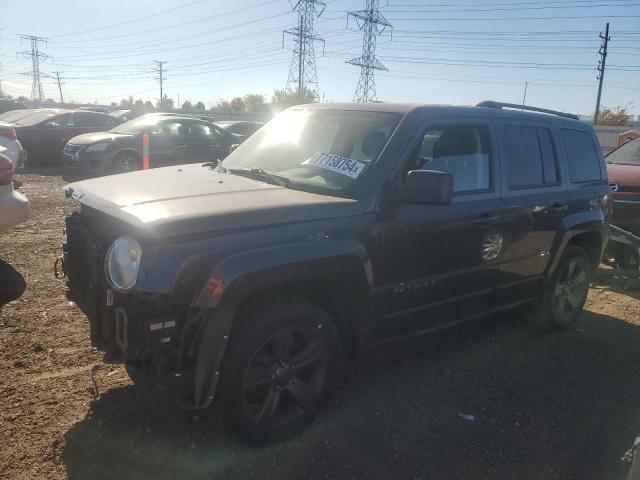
(89, 138)
(628, 175)
(194, 198)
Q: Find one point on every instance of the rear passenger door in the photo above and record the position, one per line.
(537, 202)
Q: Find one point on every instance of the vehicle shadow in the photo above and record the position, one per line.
(537, 405)
(12, 284)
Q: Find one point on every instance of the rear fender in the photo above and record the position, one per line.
(576, 224)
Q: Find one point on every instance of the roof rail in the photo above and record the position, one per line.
(501, 105)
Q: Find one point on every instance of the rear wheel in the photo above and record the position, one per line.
(566, 292)
(280, 368)
(126, 162)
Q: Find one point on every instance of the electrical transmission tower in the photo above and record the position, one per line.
(372, 23)
(37, 93)
(160, 71)
(601, 66)
(303, 76)
(60, 83)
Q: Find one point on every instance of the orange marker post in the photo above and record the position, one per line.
(145, 152)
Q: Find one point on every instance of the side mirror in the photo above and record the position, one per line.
(429, 187)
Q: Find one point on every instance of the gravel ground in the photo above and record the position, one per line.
(552, 406)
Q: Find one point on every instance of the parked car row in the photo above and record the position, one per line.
(172, 140)
(100, 143)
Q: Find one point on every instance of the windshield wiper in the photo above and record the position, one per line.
(260, 174)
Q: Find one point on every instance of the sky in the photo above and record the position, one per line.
(455, 52)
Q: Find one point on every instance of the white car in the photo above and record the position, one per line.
(9, 140)
(14, 207)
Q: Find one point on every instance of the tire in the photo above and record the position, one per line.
(564, 295)
(126, 162)
(280, 367)
(627, 259)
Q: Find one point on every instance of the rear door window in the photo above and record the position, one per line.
(582, 156)
(529, 156)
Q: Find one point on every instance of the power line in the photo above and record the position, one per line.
(372, 23)
(601, 67)
(37, 92)
(303, 75)
(133, 20)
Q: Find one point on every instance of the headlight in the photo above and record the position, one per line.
(97, 147)
(122, 263)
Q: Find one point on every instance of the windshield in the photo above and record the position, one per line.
(324, 150)
(628, 154)
(146, 123)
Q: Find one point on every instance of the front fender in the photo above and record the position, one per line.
(237, 276)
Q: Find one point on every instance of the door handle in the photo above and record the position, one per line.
(181, 146)
(556, 209)
(486, 219)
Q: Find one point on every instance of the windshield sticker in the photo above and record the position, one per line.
(336, 163)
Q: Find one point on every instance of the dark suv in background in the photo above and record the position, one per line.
(334, 227)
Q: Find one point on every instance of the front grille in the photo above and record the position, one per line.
(70, 149)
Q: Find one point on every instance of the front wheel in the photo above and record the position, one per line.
(126, 162)
(280, 368)
(564, 296)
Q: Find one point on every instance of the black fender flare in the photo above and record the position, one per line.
(574, 225)
(237, 276)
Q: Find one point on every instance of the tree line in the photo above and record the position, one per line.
(251, 102)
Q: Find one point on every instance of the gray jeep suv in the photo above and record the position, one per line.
(334, 227)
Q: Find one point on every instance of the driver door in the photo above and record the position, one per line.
(437, 263)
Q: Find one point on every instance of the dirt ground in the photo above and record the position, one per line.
(552, 406)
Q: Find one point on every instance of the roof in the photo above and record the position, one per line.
(228, 123)
(440, 109)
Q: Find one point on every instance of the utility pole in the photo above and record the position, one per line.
(303, 76)
(59, 87)
(524, 97)
(601, 67)
(160, 71)
(37, 93)
(372, 23)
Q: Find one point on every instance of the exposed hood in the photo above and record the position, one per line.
(194, 198)
(89, 138)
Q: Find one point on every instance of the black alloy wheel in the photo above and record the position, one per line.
(280, 367)
(126, 162)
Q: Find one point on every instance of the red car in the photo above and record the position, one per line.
(623, 165)
(44, 134)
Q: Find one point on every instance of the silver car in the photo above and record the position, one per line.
(14, 207)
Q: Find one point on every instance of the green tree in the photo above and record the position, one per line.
(138, 104)
(613, 116)
(114, 104)
(148, 107)
(282, 99)
(126, 104)
(236, 104)
(222, 105)
(200, 107)
(187, 106)
(253, 101)
(165, 103)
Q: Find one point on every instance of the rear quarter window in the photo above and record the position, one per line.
(582, 156)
